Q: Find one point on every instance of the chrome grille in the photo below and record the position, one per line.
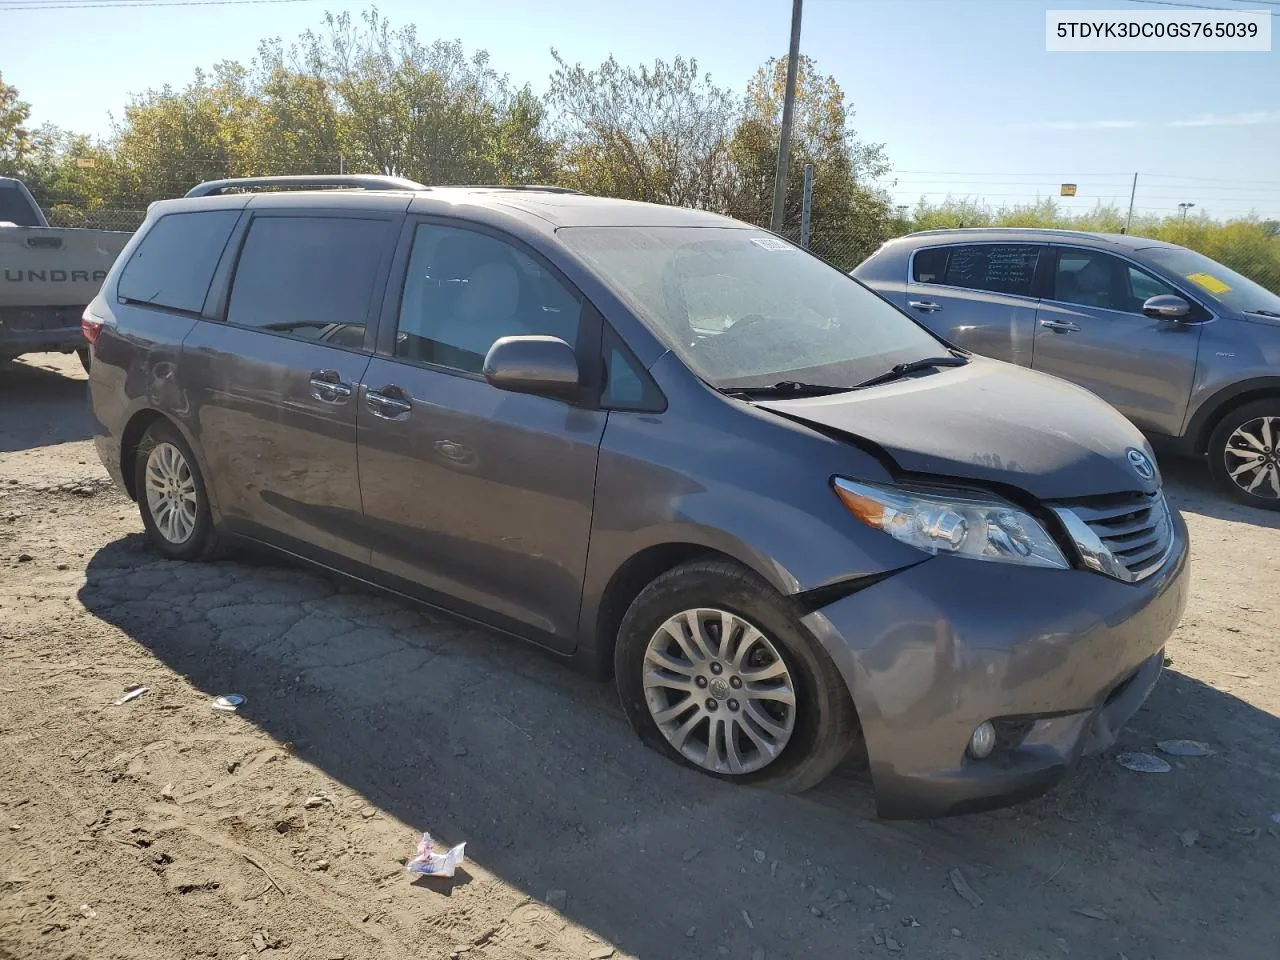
(1127, 537)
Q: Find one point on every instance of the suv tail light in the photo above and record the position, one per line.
(91, 325)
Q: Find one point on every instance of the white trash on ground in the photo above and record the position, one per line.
(1142, 763)
(435, 864)
(131, 695)
(1186, 748)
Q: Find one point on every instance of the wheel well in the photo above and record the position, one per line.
(1234, 403)
(129, 441)
(632, 577)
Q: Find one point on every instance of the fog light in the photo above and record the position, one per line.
(983, 740)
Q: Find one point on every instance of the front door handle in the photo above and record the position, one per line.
(1060, 326)
(924, 306)
(327, 387)
(389, 403)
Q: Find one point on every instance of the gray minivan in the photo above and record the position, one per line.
(668, 445)
(1186, 348)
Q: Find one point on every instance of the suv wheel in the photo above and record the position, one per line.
(715, 671)
(171, 496)
(1244, 454)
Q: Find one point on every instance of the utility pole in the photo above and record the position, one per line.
(806, 208)
(1128, 223)
(788, 105)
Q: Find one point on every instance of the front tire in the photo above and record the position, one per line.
(715, 671)
(172, 497)
(1244, 454)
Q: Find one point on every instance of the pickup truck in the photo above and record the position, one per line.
(48, 275)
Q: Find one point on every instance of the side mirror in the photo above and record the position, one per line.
(1166, 306)
(545, 366)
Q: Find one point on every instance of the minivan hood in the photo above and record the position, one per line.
(990, 422)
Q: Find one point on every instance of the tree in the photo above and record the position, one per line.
(849, 218)
(292, 122)
(522, 150)
(657, 133)
(15, 138)
(171, 140)
(71, 177)
(429, 112)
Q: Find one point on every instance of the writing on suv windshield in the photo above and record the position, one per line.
(746, 310)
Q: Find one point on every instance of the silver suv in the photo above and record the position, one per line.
(1186, 348)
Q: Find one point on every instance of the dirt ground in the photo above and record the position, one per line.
(161, 828)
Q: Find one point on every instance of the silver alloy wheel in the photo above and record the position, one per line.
(171, 493)
(719, 691)
(1252, 457)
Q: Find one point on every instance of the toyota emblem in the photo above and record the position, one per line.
(1141, 464)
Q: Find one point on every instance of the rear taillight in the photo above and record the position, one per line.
(91, 325)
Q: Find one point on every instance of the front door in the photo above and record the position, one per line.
(274, 386)
(1091, 330)
(479, 498)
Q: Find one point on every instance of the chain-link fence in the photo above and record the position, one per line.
(1249, 249)
(843, 248)
(94, 217)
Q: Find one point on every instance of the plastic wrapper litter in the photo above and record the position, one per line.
(431, 864)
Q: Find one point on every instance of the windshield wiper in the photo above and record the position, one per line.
(902, 369)
(1264, 313)
(784, 388)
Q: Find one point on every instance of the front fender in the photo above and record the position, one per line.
(752, 487)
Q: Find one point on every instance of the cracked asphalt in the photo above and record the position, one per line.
(163, 828)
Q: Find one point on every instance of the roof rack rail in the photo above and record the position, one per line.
(359, 181)
(1053, 231)
(532, 187)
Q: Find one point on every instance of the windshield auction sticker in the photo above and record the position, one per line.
(1209, 282)
(1192, 30)
(771, 243)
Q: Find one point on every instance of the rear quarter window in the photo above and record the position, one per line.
(174, 262)
(994, 267)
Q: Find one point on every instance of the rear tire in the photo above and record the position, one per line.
(749, 679)
(172, 497)
(1246, 442)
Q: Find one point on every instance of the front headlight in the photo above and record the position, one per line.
(966, 526)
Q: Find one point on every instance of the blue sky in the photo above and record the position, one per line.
(961, 92)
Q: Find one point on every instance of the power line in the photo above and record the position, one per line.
(1171, 176)
(7, 5)
(1076, 177)
(1199, 6)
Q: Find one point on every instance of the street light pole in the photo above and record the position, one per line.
(788, 105)
(1184, 207)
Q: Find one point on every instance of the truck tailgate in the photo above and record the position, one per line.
(49, 266)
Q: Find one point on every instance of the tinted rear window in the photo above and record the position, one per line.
(309, 277)
(1000, 268)
(15, 209)
(174, 263)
